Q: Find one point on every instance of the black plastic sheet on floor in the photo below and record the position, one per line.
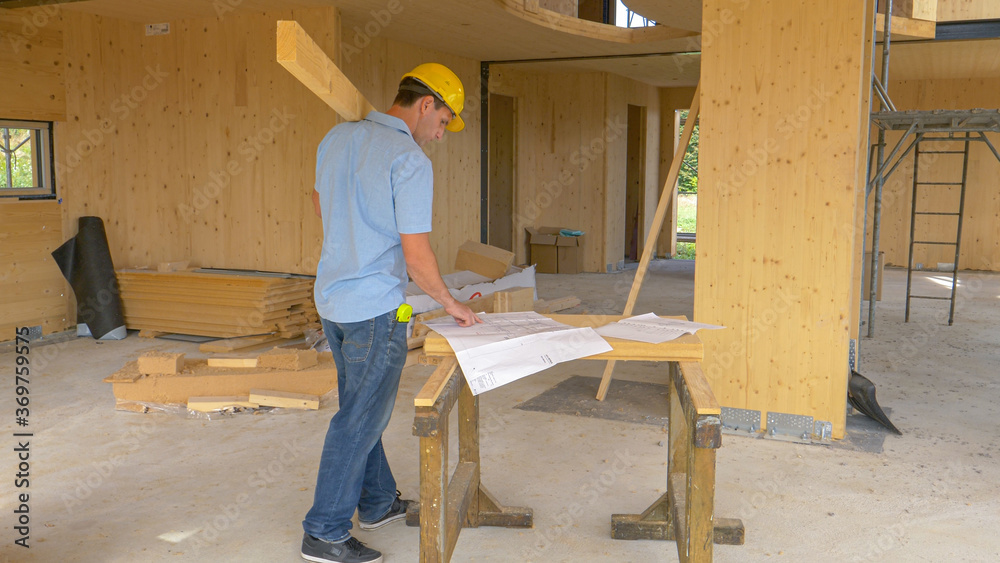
(627, 401)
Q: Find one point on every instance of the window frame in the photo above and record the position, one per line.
(44, 160)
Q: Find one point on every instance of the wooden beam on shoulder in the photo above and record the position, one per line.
(302, 57)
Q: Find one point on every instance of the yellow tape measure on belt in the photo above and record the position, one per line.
(403, 313)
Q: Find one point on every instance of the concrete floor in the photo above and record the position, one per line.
(111, 486)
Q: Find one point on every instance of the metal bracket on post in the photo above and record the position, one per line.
(740, 421)
(790, 427)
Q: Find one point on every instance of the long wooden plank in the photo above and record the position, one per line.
(431, 390)
(666, 196)
(238, 343)
(302, 57)
(232, 362)
(284, 399)
(687, 348)
(702, 399)
(199, 380)
(906, 29)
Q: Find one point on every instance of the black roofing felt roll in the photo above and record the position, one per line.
(85, 260)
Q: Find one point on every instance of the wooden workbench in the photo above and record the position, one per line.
(684, 513)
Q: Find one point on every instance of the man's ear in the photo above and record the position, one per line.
(426, 103)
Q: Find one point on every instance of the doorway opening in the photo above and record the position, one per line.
(502, 170)
(635, 181)
(687, 190)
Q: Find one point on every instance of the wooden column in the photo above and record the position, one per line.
(784, 110)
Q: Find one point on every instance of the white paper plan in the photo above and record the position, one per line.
(651, 328)
(508, 346)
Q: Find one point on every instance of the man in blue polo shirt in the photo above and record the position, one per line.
(374, 190)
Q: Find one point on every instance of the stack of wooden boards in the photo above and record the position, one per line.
(281, 377)
(219, 305)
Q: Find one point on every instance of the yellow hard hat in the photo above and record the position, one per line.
(446, 84)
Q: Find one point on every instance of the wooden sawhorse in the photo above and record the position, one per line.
(684, 512)
(445, 507)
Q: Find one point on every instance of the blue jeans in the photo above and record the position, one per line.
(353, 470)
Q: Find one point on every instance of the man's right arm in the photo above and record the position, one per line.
(422, 266)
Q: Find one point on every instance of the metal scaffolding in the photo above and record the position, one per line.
(918, 126)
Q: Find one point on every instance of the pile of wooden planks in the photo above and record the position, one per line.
(220, 305)
(281, 377)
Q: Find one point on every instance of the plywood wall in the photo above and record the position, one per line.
(623, 92)
(671, 100)
(957, 10)
(33, 291)
(571, 156)
(198, 145)
(980, 240)
(782, 98)
(560, 154)
(32, 65)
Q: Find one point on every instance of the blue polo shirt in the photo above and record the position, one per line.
(374, 182)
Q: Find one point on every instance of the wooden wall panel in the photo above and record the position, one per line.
(671, 100)
(31, 64)
(33, 291)
(958, 10)
(198, 145)
(560, 155)
(621, 92)
(980, 243)
(783, 112)
(571, 156)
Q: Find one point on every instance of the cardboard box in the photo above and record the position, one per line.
(483, 259)
(553, 253)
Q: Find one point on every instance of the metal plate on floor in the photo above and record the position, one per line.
(740, 420)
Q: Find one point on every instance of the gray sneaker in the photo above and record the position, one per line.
(348, 551)
(396, 512)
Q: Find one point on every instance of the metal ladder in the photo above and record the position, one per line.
(914, 213)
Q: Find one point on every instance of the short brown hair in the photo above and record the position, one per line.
(411, 90)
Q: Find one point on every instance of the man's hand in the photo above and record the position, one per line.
(462, 314)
